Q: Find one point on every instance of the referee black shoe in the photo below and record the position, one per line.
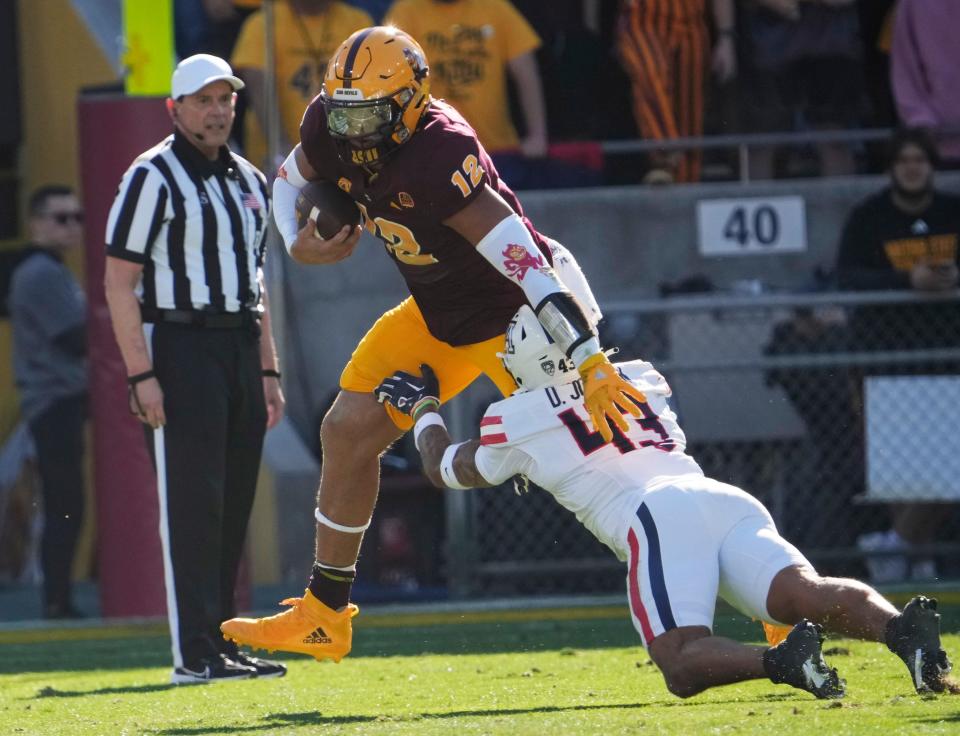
(798, 661)
(211, 669)
(914, 636)
(264, 667)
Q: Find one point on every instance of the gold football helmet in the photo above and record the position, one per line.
(375, 91)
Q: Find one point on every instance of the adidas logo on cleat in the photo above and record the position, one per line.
(319, 636)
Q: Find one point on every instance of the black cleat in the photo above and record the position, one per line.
(798, 661)
(914, 636)
(211, 669)
(264, 667)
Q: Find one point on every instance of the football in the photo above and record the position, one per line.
(328, 205)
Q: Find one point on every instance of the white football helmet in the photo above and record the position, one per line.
(532, 357)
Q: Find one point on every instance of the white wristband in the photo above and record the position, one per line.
(430, 419)
(446, 468)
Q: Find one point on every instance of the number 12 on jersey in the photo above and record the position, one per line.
(468, 175)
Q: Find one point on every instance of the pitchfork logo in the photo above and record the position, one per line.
(518, 260)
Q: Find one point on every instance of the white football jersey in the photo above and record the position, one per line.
(547, 436)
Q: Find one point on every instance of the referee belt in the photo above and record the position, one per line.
(197, 318)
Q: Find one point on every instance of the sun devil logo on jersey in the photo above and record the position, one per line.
(519, 260)
(548, 367)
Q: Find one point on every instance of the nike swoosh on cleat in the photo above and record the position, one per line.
(204, 673)
(813, 675)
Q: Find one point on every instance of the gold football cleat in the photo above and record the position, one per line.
(307, 627)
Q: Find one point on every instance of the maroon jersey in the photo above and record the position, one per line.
(428, 179)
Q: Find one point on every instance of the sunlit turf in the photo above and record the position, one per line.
(528, 677)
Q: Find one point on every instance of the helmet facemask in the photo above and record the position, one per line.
(371, 128)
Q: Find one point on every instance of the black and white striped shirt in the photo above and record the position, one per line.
(197, 226)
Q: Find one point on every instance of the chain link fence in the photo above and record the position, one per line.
(838, 411)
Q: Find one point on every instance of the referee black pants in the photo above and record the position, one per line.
(207, 458)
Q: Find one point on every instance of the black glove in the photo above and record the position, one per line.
(408, 393)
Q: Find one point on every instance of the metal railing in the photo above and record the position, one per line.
(745, 142)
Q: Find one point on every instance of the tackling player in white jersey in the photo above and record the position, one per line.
(685, 537)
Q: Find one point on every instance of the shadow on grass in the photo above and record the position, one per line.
(52, 692)
(290, 720)
(937, 718)
(277, 720)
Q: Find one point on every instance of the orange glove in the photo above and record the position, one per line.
(605, 393)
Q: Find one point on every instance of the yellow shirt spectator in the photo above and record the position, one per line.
(469, 44)
(305, 41)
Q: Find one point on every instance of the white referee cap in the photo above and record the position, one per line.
(197, 71)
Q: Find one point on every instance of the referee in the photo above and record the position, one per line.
(184, 284)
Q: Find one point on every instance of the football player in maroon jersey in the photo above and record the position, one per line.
(430, 193)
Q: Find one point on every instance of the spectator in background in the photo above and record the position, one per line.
(472, 46)
(924, 60)
(572, 51)
(307, 33)
(48, 314)
(876, 29)
(665, 48)
(802, 67)
(207, 26)
(905, 237)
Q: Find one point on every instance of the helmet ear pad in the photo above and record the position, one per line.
(531, 357)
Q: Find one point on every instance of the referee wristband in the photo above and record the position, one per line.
(270, 373)
(430, 419)
(138, 377)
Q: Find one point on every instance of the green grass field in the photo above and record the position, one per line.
(553, 672)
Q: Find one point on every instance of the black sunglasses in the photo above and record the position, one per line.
(63, 218)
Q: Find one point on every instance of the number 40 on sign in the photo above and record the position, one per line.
(751, 226)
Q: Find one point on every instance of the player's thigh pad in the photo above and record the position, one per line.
(400, 340)
(751, 553)
(672, 573)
